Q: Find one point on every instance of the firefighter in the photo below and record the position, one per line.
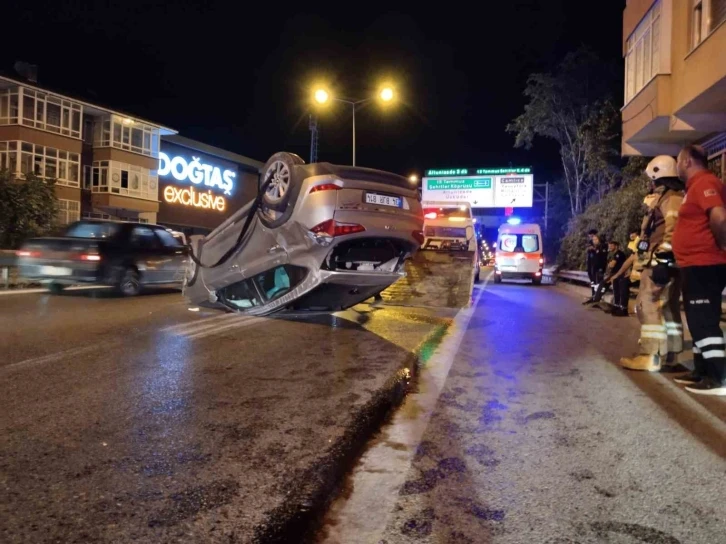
(658, 304)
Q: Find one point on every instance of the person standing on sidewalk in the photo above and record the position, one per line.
(699, 244)
(597, 260)
(658, 304)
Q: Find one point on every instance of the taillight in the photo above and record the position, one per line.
(541, 261)
(333, 228)
(90, 257)
(431, 215)
(538, 273)
(27, 253)
(325, 187)
(418, 235)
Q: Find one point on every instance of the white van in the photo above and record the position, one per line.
(519, 252)
(449, 226)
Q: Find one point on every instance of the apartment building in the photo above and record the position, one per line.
(113, 166)
(104, 161)
(675, 78)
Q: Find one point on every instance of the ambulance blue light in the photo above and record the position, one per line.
(514, 220)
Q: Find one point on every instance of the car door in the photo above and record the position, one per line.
(176, 253)
(150, 256)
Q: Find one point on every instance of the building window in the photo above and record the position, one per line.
(123, 179)
(706, 16)
(68, 211)
(46, 162)
(51, 113)
(107, 217)
(9, 109)
(642, 58)
(126, 134)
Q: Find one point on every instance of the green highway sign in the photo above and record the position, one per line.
(504, 171)
(479, 171)
(458, 183)
(450, 172)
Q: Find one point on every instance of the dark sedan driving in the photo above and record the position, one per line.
(127, 256)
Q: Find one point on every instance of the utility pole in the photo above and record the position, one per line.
(313, 138)
(542, 195)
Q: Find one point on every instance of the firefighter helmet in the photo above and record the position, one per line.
(663, 166)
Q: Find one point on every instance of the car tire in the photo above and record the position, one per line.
(497, 278)
(477, 275)
(56, 288)
(129, 285)
(279, 171)
(536, 281)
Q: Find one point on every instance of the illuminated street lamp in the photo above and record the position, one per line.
(386, 96)
(413, 178)
(321, 96)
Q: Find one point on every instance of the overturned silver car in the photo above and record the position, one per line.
(319, 237)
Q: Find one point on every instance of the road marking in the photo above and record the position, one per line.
(43, 290)
(55, 356)
(380, 473)
(241, 323)
(191, 326)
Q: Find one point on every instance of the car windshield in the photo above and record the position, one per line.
(264, 287)
(446, 232)
(519, 243)
(92, 230)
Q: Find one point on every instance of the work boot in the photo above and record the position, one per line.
(672, 366)
(649, 363)
(590, 300)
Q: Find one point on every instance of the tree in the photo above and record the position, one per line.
(571, 107)
(27, 208)
(616, 215)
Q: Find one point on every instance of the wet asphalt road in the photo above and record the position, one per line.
(537, 436)
(136, 420)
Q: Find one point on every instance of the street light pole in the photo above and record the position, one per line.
(353, 104)
(322, 96)
(353, 133)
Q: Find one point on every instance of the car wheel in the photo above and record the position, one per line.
(536, 281)
(56, 288)
(497, 278)
(279, 173)
(477, 275)
(130, 283)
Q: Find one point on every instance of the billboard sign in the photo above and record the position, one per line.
(482, 188)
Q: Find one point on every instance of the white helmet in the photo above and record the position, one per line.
(663, 166)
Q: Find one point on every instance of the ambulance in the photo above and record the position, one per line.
(519, 252)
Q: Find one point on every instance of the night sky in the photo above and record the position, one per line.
(238, 75)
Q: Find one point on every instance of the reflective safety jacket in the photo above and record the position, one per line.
(658, 225)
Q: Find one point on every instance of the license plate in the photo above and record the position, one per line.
(384, 200)
(55, 271)
(508, 268)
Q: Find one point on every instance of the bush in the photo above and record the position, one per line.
(619, 213)
(28, 208)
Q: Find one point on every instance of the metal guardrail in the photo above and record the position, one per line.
(581, 277)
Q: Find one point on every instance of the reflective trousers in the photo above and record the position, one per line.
(659, 312)
(702, 288)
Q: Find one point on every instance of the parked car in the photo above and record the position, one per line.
(127, 256)
(319, 237)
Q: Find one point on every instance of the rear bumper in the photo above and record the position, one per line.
(65, 275)
(517, 275)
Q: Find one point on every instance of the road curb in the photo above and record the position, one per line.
(314, 489)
